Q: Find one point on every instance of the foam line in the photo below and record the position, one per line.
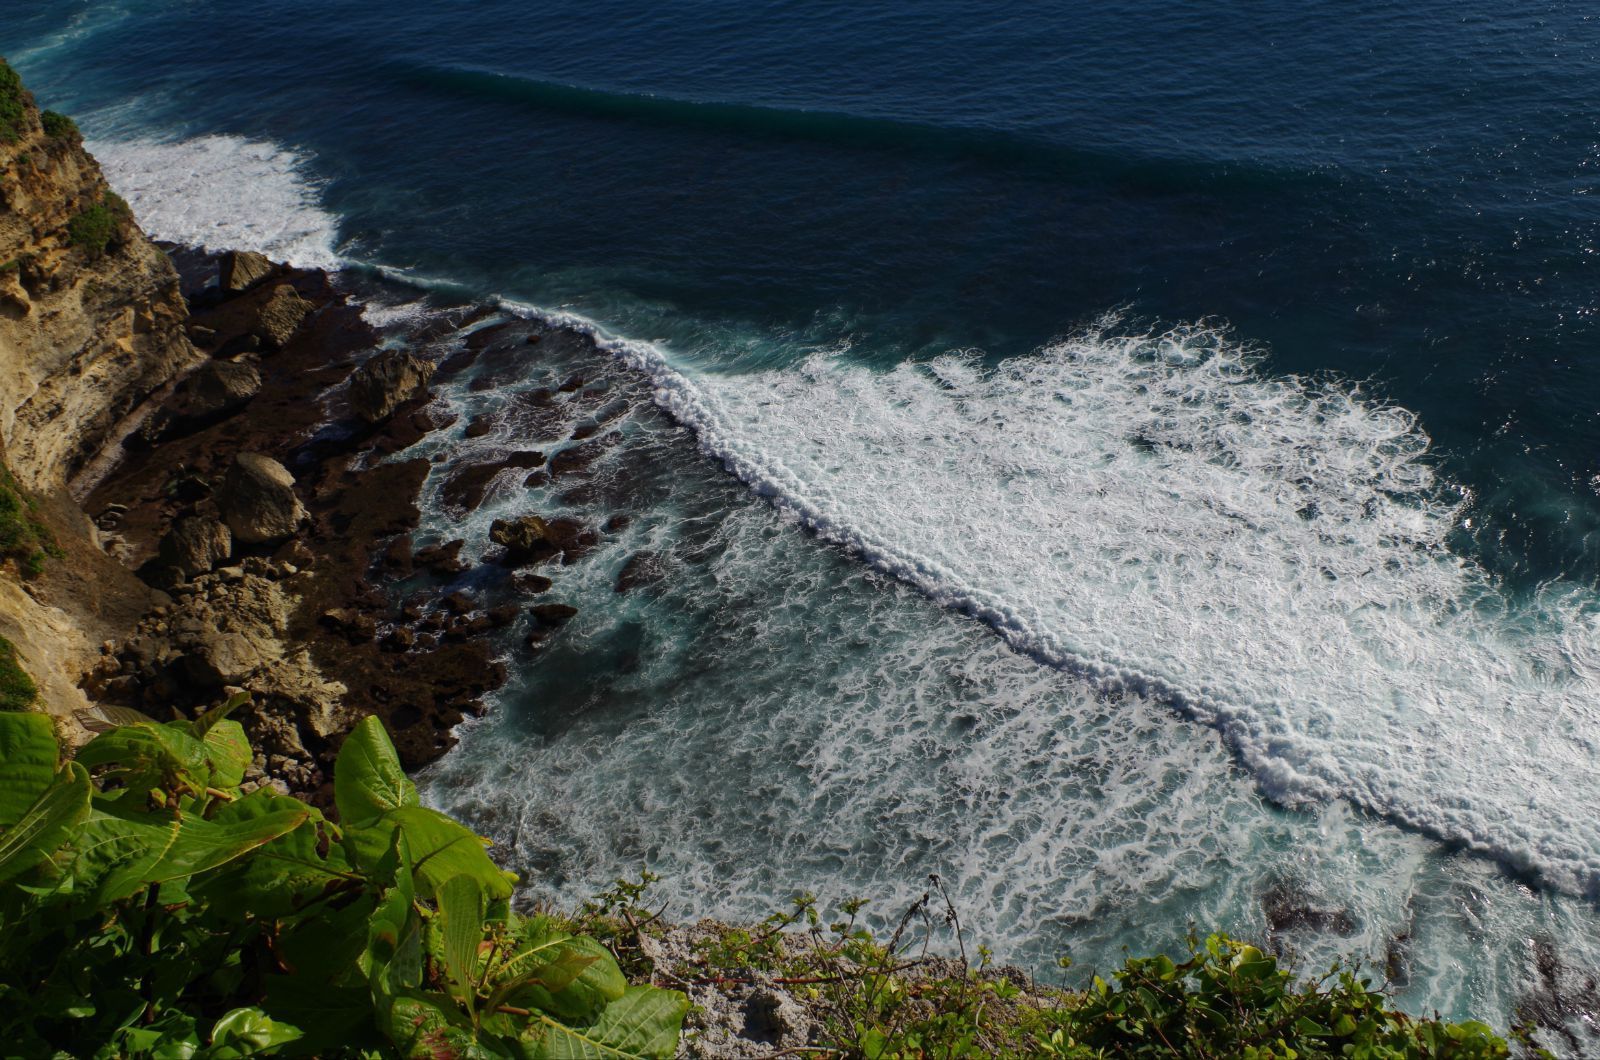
(223, 192)
(1268, 554)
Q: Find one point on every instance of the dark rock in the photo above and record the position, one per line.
(574, 458)
(537, 479)
(280, 317)
(617, 523)
(397, 558)
(215, 389)
(479, 426)
(386, 382)
(642, 568)
(460, 602)
(400, 639)
(203, 337)
(551, 615)
(241, 270)
(525, 539)
(572, 382)
(531, 583)
(586, 429)
(442, 559)
(468, 486)
(258, 501)
(1290, 908)
(503, 615)
(194, 545)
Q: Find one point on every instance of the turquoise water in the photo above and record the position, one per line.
(1135, 462)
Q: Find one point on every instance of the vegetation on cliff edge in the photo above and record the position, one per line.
(95, 228)
(149, 907)
(12, 112)
(23, 536)
(17, 690)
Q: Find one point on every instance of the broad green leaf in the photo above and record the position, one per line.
(29, 759)
(461, 928)
(208, 721)
(569, 976)
(439, 849)
(248, 1032)
(289, 872)
(423, 1028)
(643, 1024)
(202, 845)
(333, 1020)
(118, 847)
(367, 778)
(229, 751)
(147, 756)
(47, 823)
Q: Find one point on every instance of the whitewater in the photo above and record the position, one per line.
(1181, 564)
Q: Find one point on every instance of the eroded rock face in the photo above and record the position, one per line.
(86, 333)
(386, 382)
(257, 500)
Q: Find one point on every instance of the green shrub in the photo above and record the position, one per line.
(95, 228)
(23, 537)
(1225, 999)
(17, 690)
(149, 907)
(57, 124)
(13, 121)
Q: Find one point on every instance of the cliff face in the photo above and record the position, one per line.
(91, 322)
(91, 319)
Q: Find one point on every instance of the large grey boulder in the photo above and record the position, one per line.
(241, 270)
(257, 500)
(386, 382)
(194, 545)
(281, 316)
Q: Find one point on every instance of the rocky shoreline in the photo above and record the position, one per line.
(269, 498)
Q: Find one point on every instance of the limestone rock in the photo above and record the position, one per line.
(522, 537)
(257, 500)
(386, 382)
(281, 316)
(194, 545)
(243, 269)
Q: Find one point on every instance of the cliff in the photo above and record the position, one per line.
(91, 318)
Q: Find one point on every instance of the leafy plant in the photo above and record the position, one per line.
(57, 124)
(23, 536)
(150, 907)
(878, 998)
(17, 690)
(95, 228)
(12, 113)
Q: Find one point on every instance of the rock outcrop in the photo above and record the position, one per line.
(386, 382)
(91, 318)
(257, 500)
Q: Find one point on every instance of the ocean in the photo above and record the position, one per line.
(1138, 461)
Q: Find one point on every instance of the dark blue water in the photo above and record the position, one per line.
(1393, 193)
(1393, 200)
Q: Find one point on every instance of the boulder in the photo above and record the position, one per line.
(194, 545)
(241, 270)
(216, 389)
(552, 615)
(642, 568)
(443, 558)
(257, 500)
(280, 316)
(523, 538)
(386, 382)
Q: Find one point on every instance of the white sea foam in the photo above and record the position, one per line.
(1267, 553)
(223, 192)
